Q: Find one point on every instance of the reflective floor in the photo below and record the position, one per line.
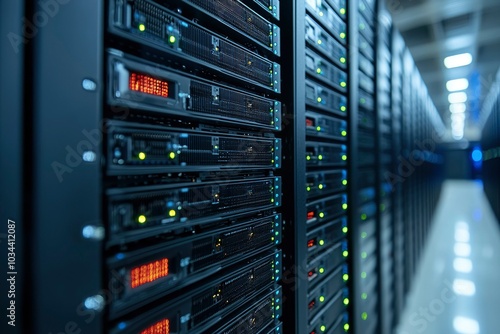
(457, 286)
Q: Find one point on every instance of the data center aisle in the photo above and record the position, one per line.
(456, 287)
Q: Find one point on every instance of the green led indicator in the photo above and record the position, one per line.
(363, 274)
(142, 155)
(141, 219)
(172, 39)
(321, 270)
(344, 182)
(344, 206)
(308, 158)
(342, 35)
(343, 108)
(345, 277)
(319, 42)
(320, 186)
(342, 60)
(343, 84)
(364, 315)
(346, 301)
(172, 155)
(318, 70)
(344, 157)
(364, 255)
(320, 157)
(363, 216)
(323, 328)
(363, 235)
(346, 327)
(318, 128)
(321, 242)
(308, 188)
(343, 133)
(364, 295)
(322, 299)
(342, 11)
(277, 307)
(344, 229)
(142, 27)
(319, 99)
(321, 215)
(345, 253)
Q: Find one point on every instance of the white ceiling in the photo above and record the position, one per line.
(434, 29)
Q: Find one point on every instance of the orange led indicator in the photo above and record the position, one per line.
(148, 273)
(161, 327)
(148, 85)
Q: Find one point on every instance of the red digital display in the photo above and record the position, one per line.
(311, 243)
(147, 84)
(148, 272)
(161, 327)
(310, 215)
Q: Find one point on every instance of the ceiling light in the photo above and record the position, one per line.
(458, 60)
(458, 108)
(461, 225)
(460, 97)
(457, 84)
(465, 325)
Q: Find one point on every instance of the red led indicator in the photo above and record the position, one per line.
(148, 273)
(310, 215)
(161, 327)
(311, 304)
(311, 273)
(148, 85)
(311, 243)
(309, 122)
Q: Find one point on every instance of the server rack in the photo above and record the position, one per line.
(326, 155)
(365, 214)
(192, 183)
(230, 168)
(490, 146)
(397, 107)
(385, 188)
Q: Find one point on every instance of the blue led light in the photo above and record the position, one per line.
(477, 155)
